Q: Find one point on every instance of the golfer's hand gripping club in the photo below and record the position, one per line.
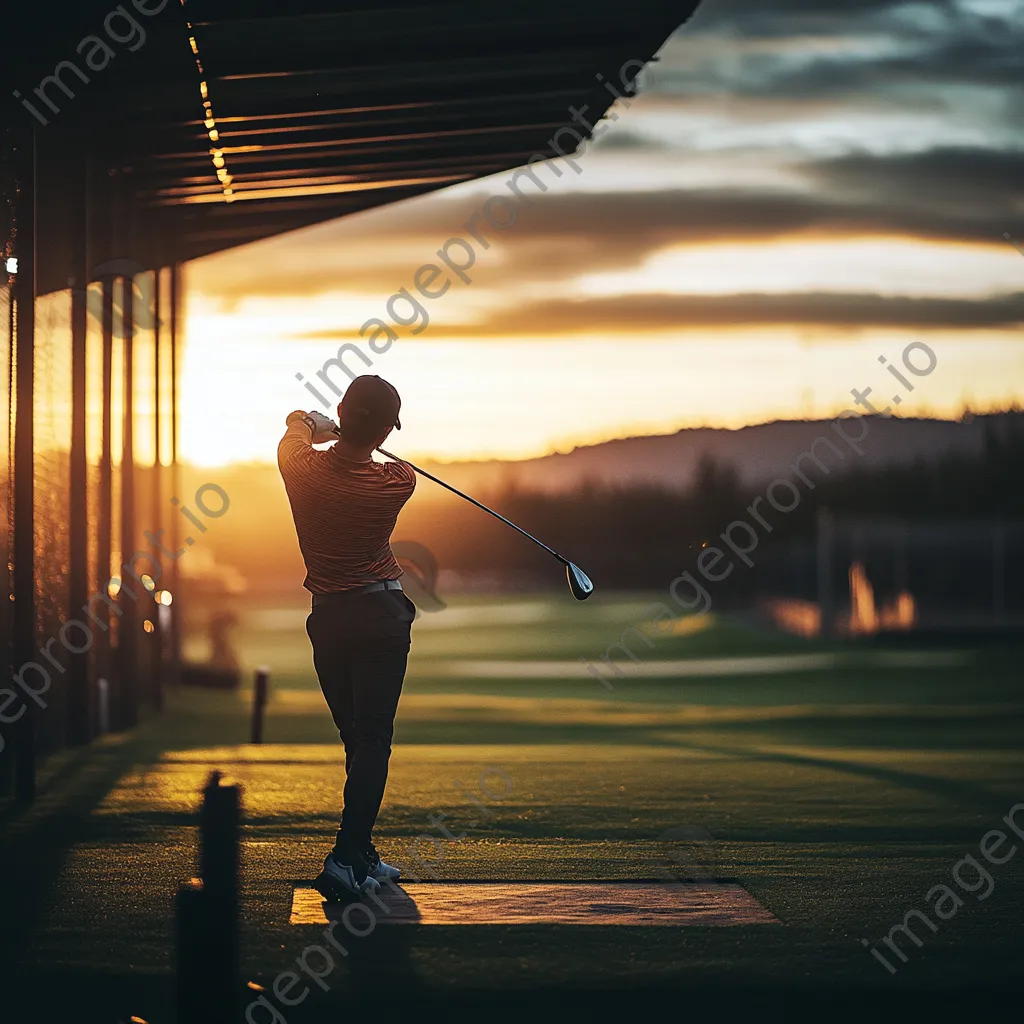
(322, 427)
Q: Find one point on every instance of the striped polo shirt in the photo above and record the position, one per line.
(344, 512)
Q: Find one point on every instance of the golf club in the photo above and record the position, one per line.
(579, 582)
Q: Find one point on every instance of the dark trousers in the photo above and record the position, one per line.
(360, 649)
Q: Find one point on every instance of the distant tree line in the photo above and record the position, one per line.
(642, 536)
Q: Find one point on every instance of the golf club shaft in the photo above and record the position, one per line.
(480, 505)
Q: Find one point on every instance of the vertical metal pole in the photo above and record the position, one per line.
(128, 696)
(157, 339)
(78, 731)
(826, 598)
(24, 444)
(159, 641)
(105, 498)
(998, 573)
(902, 573)
(175, 578)
(7, 594)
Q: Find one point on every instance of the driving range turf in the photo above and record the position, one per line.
(837, 793)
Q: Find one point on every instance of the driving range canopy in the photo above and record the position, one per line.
(234, 121)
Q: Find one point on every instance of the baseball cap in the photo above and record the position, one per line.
(372, 400)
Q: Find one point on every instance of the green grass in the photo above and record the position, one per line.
(838, 797)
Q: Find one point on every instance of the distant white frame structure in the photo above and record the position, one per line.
(900, 533)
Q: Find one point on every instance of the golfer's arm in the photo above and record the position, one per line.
(297, 444)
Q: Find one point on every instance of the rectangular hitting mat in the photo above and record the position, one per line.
(576, 903)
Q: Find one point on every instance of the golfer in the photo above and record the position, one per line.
(345, 506)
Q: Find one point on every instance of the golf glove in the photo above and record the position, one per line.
(322, 427)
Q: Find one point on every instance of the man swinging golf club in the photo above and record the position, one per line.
(345, 506)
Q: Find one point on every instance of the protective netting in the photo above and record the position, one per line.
(6, 473)
(8, 191)
(147, 511)
(113, 571)
(59, 628)
(52, 503)
(98, 574)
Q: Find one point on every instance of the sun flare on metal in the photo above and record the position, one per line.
(209, 121)
(579, 582)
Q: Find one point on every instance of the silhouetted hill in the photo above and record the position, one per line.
(757, 454)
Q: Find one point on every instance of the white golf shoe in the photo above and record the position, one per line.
(337, 883)
(377, 869)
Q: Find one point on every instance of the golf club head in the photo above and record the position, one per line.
(579, 582)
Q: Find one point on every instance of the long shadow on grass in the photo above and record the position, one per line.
(34, 843)
(590, 824)
(960, 791)
(996, 732)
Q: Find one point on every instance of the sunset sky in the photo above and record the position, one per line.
(800, 188)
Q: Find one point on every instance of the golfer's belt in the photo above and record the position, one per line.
(372, 588)
(367, 588)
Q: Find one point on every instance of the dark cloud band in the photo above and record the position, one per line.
(636, 314)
